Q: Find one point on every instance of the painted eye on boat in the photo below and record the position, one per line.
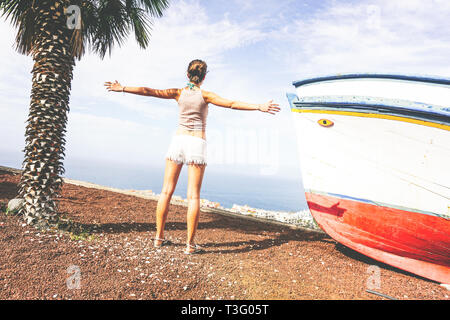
(325, 122)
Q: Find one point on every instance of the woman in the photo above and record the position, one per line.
(188, 145)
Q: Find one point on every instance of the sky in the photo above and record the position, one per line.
(255, 49)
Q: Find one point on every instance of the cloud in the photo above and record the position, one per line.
(111, 139)
(184, 33)
(370, 36)
(12, 124)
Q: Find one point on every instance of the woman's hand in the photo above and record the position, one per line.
(269, 107)
(114, 86)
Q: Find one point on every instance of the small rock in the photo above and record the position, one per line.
(15, 205)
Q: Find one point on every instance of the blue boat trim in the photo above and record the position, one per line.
(432, 80)
(381, 204)
(403, 108)
(365, 100)
(381, 109)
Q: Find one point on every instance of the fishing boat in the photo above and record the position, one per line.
(375, 160)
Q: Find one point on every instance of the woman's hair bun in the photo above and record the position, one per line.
(197, 71)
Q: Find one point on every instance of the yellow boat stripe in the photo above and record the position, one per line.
(377, 115)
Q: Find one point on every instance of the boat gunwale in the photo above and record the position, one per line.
(413, 78)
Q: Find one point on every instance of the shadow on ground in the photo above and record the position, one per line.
(282, 234)
(367, 260)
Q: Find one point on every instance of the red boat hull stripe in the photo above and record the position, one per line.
(411, 241)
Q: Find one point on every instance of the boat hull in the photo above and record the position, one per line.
(375, 168)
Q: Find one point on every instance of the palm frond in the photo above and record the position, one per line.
(140, 23)
(104, 23)
(112, 26)
(22, 16)
(154, 7)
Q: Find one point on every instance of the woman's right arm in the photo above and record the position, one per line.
(144, 91)
(215, 99)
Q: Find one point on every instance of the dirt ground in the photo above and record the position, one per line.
(242, 259)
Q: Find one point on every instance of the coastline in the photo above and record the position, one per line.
(294, 220)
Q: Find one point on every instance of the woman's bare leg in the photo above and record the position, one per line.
(195, 178)
(171, 174)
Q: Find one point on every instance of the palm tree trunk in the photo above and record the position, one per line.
(40, 182)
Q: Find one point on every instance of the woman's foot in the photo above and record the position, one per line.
(193, 248)
(157, 242)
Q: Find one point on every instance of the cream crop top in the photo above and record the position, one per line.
(193, 110)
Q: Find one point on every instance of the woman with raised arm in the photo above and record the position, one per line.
(188, 145)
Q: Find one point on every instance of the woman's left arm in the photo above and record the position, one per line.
(269, 107)
(143, 91)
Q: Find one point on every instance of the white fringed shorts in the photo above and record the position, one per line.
(187, 149)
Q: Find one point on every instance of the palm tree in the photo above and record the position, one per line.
(56, 33)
